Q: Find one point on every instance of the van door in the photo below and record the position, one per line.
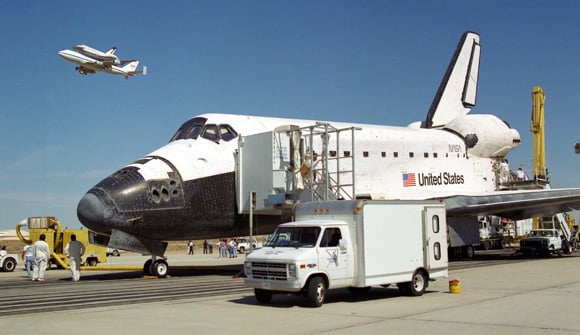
(331, 258)
(435, 242)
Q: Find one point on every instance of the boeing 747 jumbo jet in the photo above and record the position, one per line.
(92, 60)
(189, 188)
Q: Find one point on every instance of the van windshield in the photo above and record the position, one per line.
(294, 237)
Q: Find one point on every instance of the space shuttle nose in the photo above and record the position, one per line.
(91, 212)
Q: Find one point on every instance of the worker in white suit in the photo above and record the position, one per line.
(41, 254)
(75, 250)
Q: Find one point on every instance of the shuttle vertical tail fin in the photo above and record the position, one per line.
(131, 66)
(458, 89)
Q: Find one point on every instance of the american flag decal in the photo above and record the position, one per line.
(409, 179)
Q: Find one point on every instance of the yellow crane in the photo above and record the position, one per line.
(537, 128)
(539, 170)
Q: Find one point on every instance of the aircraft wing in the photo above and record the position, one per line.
(515, 205)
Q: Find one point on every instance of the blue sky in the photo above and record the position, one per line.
(365, 61)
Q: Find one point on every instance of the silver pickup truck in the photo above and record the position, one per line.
(542, 241)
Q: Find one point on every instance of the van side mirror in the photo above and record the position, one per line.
(342, 245)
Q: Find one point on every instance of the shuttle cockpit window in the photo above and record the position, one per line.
(227, 133)
(190, 129)
(197, 127)
(216, 133)
(210, 132)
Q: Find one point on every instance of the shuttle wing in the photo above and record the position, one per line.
(515, 205)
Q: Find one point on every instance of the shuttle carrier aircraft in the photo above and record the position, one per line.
(187, 189)
(91, 60)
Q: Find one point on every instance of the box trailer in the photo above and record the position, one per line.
(352, 244)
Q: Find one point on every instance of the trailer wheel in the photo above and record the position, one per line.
(487, 245)
(9, 264)
(504, 244)
(468, 252)
(160, 268)
(263, 296)
(316, 291)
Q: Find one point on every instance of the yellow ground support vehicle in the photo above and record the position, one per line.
(57, 239)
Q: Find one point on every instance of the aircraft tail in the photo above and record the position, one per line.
(131, 67)
(458, 89)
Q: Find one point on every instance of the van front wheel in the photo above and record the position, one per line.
(316, 291)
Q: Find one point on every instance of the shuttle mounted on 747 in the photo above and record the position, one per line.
(91, 60)
(186, 189)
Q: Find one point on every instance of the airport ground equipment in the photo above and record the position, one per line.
(8, 262)
(352, 244)
(539, 170)
(497, 233)
(542, 242)
(57, 239)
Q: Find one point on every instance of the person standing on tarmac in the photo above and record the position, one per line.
(41, 254)
(75, 250)
(28, 257)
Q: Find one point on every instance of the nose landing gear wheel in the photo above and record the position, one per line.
(147, 268)
(160, 268)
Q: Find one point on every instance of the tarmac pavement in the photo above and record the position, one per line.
(530, 297)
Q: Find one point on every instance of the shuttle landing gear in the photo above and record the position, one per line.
(156, 267)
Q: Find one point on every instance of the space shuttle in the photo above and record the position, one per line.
(187, 188)
(107, 56)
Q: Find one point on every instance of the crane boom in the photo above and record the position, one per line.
(537, 128)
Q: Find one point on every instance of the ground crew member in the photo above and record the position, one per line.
(27, 256)
(41, 254)
(74, 250)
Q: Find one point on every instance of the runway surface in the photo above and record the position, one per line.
(206, 277)
(208, 298)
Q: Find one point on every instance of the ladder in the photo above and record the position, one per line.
(330, 174)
